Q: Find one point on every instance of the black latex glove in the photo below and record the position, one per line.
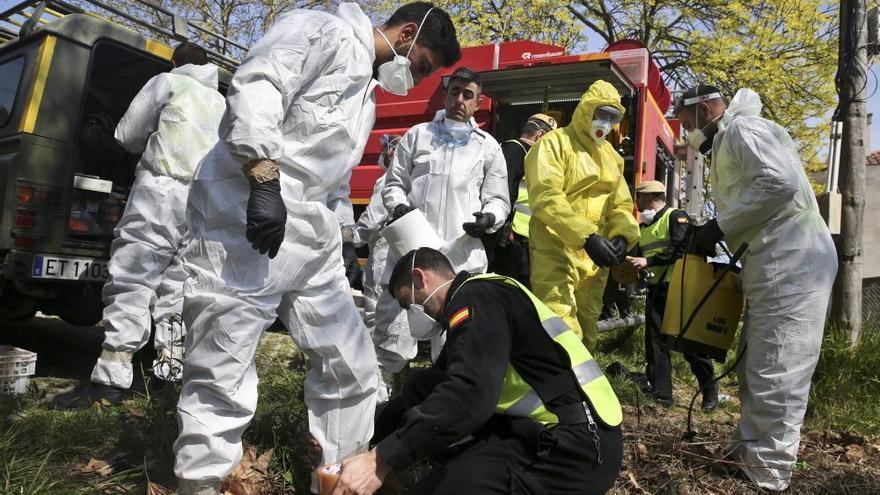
(482, 222)
(601, 251)
(266, 216)
(399, 211)
(620, 245)
(505, 235)
(706, 237)
(353, 270)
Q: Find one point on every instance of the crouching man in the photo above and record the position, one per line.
(515, 403)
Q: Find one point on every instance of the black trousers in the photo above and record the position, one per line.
(512, 455)
(659, 366)
(513, 261)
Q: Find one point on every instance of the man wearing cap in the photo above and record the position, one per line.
(763, 199)
(663, 235)
(508, 249)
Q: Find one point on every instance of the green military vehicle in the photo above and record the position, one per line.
(66, 78)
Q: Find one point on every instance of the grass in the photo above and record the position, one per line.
(42, 450)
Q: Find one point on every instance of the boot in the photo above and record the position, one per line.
(85, 395)
(710, 398)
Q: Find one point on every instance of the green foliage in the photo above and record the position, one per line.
(846, 385)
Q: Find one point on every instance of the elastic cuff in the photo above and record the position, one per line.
(114, 372)
(209, 486)
(392, 453)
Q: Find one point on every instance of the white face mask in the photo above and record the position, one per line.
(647, 216)
(422, 326)
(697, 137)
(382, 162)
(600, 130)
(395, 76)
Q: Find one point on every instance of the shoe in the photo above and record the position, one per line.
(663, 401)
(710, 398)
(84, 396)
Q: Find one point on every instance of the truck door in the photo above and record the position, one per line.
(103, 171)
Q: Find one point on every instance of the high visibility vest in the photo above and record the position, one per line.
(522, 213)
(519, 398)
(654, 240)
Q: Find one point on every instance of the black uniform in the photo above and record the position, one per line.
(447, 413)
(658, 365)
(512, 259)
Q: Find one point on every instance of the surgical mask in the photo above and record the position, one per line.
(421, 325)
(395, 75)
(382, 163)
(647, 216)
(698, 140)
(459, 131)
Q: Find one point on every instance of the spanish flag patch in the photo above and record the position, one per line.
(462, 315)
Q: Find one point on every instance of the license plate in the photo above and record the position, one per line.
(64, 268)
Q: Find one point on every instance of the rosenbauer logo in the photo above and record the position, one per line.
(534, 56)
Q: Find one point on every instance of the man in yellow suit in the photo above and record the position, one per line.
(582, 220)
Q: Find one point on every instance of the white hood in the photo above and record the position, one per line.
(205, 74)
(360, 24)
(745, 103)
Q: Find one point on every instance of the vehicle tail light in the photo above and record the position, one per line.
(25, 219)
(25, 193)
(77, 225)
(25, 242)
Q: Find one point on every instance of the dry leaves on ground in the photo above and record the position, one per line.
(249, 477)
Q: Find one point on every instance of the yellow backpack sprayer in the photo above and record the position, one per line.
(703, 307)
(712, 298)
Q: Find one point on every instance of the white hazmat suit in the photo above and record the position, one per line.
(303, 97)
(449, 178)
(173, 122)
(384, 317)
(763, 197)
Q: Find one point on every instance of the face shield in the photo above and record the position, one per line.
(604, 118)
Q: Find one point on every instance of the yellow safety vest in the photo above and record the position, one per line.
(522, 213)
(520, 399)
(654, 240)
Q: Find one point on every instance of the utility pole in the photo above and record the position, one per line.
(846, 308)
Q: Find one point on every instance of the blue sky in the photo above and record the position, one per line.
(873, 101)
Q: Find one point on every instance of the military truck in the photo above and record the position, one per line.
(67, 76)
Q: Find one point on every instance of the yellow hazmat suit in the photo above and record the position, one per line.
(576, 188)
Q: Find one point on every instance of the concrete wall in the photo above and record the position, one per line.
(871, 224)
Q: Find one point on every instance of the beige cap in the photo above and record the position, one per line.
(650, 187)
(546, 119)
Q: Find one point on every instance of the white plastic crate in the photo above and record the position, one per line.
(14, 385)
(16, 367)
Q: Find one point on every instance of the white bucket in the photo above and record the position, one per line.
(411, 231)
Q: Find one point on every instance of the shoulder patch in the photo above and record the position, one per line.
(462, 315)
(682, 220)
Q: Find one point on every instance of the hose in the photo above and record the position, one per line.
(690, 434)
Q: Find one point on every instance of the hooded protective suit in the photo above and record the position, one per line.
(576, 188)
(763, 197)
(450, 179)
(383, 315)
(173, 122)
(303, 97)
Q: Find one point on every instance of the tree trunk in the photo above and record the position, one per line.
(846, 309)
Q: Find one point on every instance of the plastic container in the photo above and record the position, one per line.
(16, 367)
(328, 476)
(411, 231)
(716, 322)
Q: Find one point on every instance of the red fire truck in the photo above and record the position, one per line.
(521, 78)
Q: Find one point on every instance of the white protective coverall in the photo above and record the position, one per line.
(173, 121)
(763, 197)
(303, 96)
(449, 181)
(383, 315)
